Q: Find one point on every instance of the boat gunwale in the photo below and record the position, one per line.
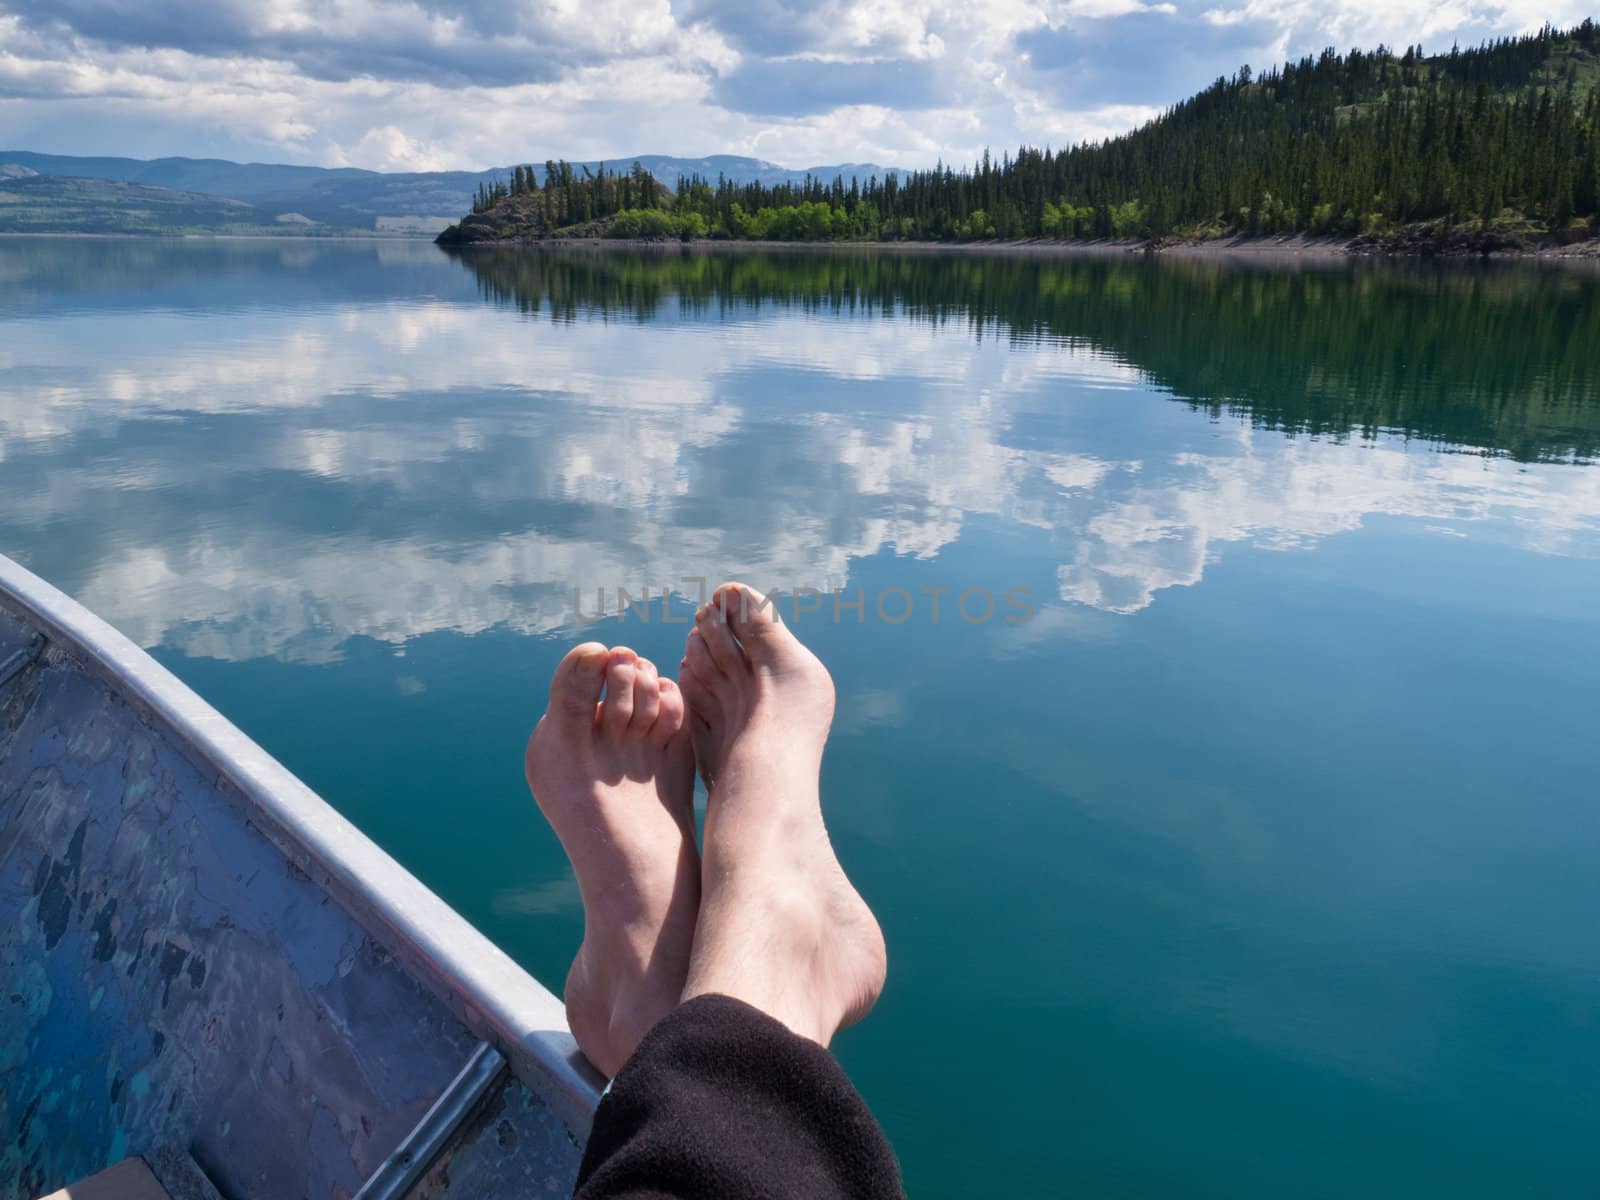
(495, 998)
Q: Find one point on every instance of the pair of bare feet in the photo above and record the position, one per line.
(766, 914)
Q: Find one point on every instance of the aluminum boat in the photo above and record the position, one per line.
(205, 968)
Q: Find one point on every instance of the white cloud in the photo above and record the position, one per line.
(391, 149)
(419, 84)
(1092, 10)
(1365, 23)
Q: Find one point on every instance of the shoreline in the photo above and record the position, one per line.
(1296, 248)
(355, 236)
(724, 245)
(1334, 249)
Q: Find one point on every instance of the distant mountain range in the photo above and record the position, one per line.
(67, 204)
(289, 198)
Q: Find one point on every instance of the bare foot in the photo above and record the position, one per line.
(616, 782)
(780, 928)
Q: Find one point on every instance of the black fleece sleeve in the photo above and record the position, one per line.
(722, 1101)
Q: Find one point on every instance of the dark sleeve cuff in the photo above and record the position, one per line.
(720, 1100)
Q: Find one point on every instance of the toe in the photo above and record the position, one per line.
(575, 686)
(724, 651)
(670, 706)
(672, 714)
(694, 675)
(617, 709)
(753, 618)
(697, 658)
(646, 696)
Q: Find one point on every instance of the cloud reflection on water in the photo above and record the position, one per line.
(274, 483)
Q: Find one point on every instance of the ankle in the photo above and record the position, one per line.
(798, 976)
(796, 1014)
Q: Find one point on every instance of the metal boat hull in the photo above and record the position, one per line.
(196, 951)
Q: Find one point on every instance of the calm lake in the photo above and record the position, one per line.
(1262, 859)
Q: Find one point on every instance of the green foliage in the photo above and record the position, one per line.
(656, 224)
(1335, 144)
(1127, 219)
(562, 197)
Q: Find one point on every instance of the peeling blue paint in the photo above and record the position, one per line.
(168, 976)
(160, 958)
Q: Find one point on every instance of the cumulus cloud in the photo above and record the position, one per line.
(479, 42)
(390, 148)
(773, 28)
(419, 84)
(1095, 61)
(797, 86)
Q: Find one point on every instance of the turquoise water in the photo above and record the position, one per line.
(1258, 861)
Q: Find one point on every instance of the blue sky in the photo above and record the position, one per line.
(429, 84)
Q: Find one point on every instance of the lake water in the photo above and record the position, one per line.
(1259, 861)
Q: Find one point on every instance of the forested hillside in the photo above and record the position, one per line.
(573, 200)
(51, 204)
(1503, 137)
(343, 199)
(1349, 144)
